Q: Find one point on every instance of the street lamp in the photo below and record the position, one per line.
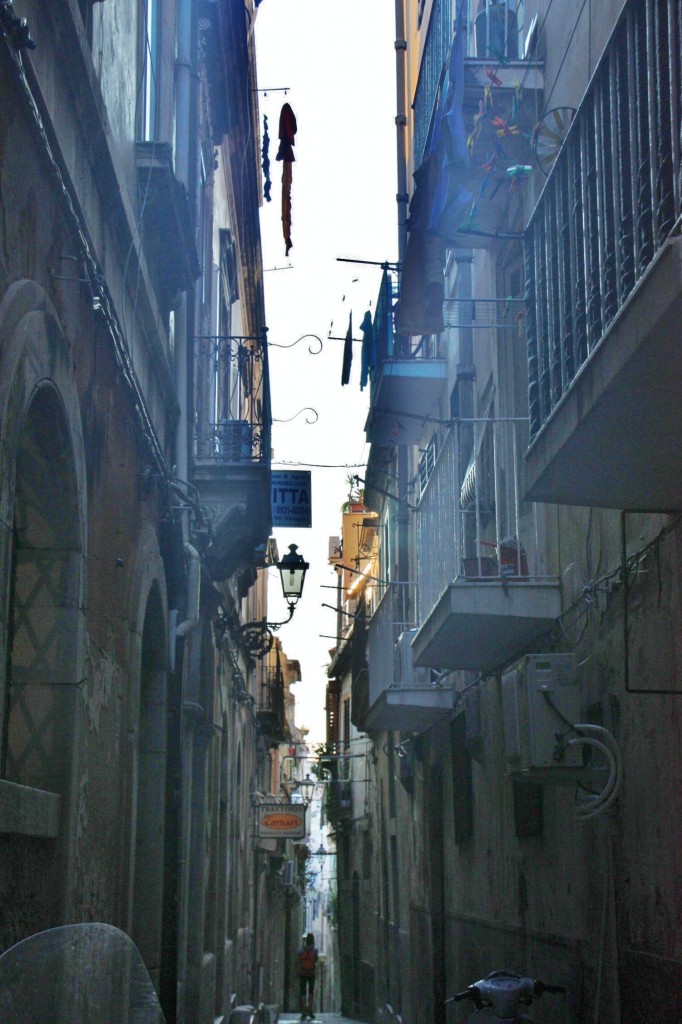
(307, 786)
(292, 570)
(257, 636)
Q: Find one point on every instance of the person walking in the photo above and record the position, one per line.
(307, 962)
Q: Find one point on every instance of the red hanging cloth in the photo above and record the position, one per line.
(285, 153)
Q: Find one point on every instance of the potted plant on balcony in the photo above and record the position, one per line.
(355, 502)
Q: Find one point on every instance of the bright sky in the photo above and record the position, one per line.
(338, 63)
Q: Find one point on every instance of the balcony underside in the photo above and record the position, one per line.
(405, 393)
(413, 709)
(481, 625)
(237, 499)
(613, 440)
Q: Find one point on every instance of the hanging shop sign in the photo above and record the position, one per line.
(281, 821)
(291, 498)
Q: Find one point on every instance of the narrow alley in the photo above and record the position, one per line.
(340, 511)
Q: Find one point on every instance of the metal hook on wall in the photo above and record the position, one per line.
(313, 352)
(306, 408)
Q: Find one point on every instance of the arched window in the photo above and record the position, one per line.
(44, 610)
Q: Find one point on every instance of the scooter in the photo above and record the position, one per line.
(85, 973)
(499, 997)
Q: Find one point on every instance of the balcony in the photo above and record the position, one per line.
(168, 236)
(407, 380)
(499, 93)
(270, 703)
(339, 792)
(401, 697)
(603, 277)
(482, 602)
(231, 465)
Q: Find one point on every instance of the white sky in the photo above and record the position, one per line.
(338, 62)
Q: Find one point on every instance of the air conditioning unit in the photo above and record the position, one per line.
(540, 702)
(235, 441)
(334, 550)
(406, 676)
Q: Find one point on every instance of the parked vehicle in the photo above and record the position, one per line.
(501, 997)
(90, 973)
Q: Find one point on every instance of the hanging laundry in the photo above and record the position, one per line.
(450, 145)
(420, 310)
(369, 350)
(285, 153)
(347, 352)
(265, 153)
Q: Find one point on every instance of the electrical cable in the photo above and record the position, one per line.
(596, 736)
(100, 296)
(608, 794)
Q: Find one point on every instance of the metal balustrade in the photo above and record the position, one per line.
(270, 692)
(611, 201)
(390, 345)
(395, 613)
(470, 511)
(494, 32)
(231, 400)
(435, 53)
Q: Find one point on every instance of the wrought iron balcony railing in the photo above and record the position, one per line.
(396, 613)
(231, 400)
(470, 510)
(494, 33)
(389, 345)
(407, 376)
(611, 201)
(270, 693)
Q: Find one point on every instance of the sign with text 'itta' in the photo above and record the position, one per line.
(281, 821)
(291, 504)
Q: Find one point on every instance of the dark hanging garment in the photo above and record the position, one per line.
(420, 309)
(265, 152)
(347, 352)
(287, 134)
(285, 153)
(369, 350)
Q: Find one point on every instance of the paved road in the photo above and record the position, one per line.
(320, 1018)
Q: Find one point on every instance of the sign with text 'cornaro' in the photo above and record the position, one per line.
(291, 504)
(281, 821)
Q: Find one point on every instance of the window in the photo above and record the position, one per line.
(38, 721)
(427, 461)
(346, 725)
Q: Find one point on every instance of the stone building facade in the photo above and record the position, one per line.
(135, 449)
(520, 679)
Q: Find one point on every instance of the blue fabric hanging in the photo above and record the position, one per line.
(449, 144)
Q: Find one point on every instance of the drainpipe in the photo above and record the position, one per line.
(188, 769)
(183, 83)
(193, 592)
(466, 370)
(402, 196)
(466, 376)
